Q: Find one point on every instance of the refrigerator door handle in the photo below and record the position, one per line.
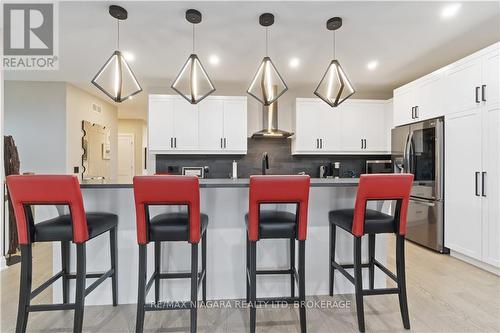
(407, 152)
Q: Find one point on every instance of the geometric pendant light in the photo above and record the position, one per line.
(115, 78)
(334, 87)
(267, 85)
(193, 82)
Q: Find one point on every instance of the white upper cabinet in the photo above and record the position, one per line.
(463, 85)
(355, 126)
(217, 125)
(403, 105)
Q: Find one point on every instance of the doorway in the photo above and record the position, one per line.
(126, 157)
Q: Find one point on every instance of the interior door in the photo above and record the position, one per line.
(185, 125)
(126, 158)
(463, 225)
(160, 124)
(211, 124)
(235, 124)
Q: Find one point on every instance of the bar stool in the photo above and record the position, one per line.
(187, 227)
(77, 227)
(277, 224)
(361, 221)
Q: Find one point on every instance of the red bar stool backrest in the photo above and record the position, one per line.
(382, 187)
(278, 189)
(167, 190)
(27, 190)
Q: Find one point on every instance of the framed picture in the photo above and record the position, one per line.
(193, 171)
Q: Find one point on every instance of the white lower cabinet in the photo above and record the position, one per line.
(354, 127)
(217, 125)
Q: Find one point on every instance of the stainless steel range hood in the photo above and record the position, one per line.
(270, 123)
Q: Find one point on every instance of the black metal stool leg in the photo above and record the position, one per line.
(113, 245)
(80, 287)
(204, 267)
(400, 264)
(358, 284)
(333, 231)
(247, 272)
(292, 267)
(141, 297)
(253, 287)
(25, 288)
(302, 285)
(194, 286)
(371, 260)
(157, 270)
(65, 254)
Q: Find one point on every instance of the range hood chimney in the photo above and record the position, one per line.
(270, 122)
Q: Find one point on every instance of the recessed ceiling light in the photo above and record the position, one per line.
(128, 56)
(294, 62)
(214, 60)
(372, 65)
(450, 10)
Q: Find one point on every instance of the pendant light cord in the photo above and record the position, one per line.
(333, 44)
(267, 41)
(193, 38)
(118, 33)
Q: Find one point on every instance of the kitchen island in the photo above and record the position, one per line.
(225, 201)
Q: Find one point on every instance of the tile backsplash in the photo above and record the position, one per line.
(280, 161)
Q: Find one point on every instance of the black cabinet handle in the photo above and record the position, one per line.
(171, 142)
(477, 95)
(321, 142)
(412, 112)
(365, 143)
(483, 93)
(483, 191)
(175, 142)
(416, 112)
(225, 143)
(221, 143)
(361, 143)
(477, 183)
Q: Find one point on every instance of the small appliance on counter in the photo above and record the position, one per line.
(379, 166)
(335, 170)
(324, 171)
(194, 171)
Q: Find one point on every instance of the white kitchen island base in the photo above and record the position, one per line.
(226, 245)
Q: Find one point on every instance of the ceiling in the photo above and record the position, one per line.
(407, 39)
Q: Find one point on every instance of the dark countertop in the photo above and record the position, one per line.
(233, 183)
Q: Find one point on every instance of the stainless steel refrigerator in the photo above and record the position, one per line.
(418, 148)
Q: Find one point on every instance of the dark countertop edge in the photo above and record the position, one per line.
(343, 183)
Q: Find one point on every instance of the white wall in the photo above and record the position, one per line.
(78, 109)
(35, 115)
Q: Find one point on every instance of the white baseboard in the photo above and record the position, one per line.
(475, 262)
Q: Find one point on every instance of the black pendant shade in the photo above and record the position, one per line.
(193, 82)
(115, 78)
(334, 87)
(267, 85)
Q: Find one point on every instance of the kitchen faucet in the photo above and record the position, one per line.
(265, 162)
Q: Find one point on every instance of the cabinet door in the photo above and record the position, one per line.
(461, 85)
(235, 124)
(185, 125)
(491, 189)
(463, 225)
(374, 127)
(328, 127)
(352, 129)
(308, 124)
(491, 80)
(403, 102)
(211, 124)
(429, 97)
(160, 124)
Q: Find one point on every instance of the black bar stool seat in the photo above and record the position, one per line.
(173, 227)
(276, 224)
(60, 228)
(375, 222)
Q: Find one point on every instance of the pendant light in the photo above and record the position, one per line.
(115, 78)
(334, 87)
(267, 85)
(193, 83)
